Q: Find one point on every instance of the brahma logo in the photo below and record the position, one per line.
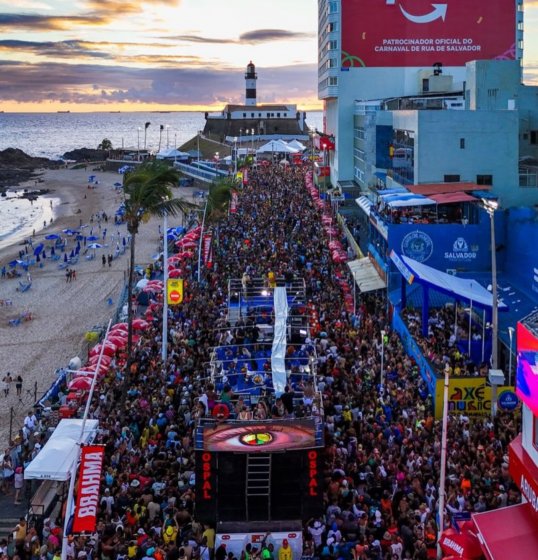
(461, 252)
(449, 543)
(417, 245)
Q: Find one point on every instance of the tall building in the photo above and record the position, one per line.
(402, 82)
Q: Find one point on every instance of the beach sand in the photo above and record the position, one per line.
(63, 312)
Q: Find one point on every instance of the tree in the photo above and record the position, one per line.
(148, 192)
(219, 197)
(105, 145)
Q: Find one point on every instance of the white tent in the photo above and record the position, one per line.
(172, 153)
(55, 460)
(297, 145)
(276, 146)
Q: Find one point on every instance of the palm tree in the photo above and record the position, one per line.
(105, 145)
(219, 197)
(148, 192)
(215, 208)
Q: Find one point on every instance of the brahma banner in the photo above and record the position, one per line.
(206, 250)
(233, 203)
(422, 33)
(89, 480)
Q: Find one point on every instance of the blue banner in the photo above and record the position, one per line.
(443, 246)
(413, 350)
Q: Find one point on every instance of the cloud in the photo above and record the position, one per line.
(80, 49)
(268, 35)
(199, 39)
(251, 37)
(97, 12)
(92, 83)
(46, 23)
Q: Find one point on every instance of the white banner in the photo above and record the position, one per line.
(278, 353)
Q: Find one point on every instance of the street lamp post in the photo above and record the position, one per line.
(235, 156)
(442, 476)
(490, 206)
(138, 145)
(382, 376)
(164, 348)
(511, 335)
(167, 136)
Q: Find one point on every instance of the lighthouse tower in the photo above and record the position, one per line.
(250, 84)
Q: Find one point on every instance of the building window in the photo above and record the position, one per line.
(462, 143)
(333, 81)
(484, 180)
(252, 115)
(425, 85)
(451, 179)
(244, 115)
(285, 115)
(493, 92)
(278, 115)
(259, 115)
(534, 136)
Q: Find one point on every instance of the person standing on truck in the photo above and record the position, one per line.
(285, 552)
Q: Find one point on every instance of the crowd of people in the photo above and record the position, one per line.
(382, 443)
(442, 344)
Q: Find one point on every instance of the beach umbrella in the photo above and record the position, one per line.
(79, 237)
(142, 283)
(105, 360)
(92, 238)
(12, 264)
(118, 184)
(175, 273)
(95, 246)
(140, 325)
(52, 236)
(80, 384)
(65, 257)
(38, 249)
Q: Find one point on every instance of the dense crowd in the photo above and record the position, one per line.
(382, 443)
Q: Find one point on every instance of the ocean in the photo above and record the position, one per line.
(50, 135)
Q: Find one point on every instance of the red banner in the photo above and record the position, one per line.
(233, 203)
(421, 33)
(206, 247)
(91, 464)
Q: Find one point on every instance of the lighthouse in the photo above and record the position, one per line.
(250, 84)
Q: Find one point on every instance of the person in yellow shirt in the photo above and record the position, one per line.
(209, 534)
(271, 279)
(285, 552)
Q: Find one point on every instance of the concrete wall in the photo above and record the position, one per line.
(438, 152)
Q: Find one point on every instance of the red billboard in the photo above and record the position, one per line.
(421, 33)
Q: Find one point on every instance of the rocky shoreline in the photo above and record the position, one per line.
(17, 167)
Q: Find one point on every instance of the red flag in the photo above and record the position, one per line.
(91, 464)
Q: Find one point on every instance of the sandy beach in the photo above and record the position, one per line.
(63, 312)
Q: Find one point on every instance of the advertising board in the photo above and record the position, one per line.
(264, 437)
(468, 395)
(527, 368)
(421, 33)
(442, 246)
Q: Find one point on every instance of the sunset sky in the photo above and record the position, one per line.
(84, 55)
